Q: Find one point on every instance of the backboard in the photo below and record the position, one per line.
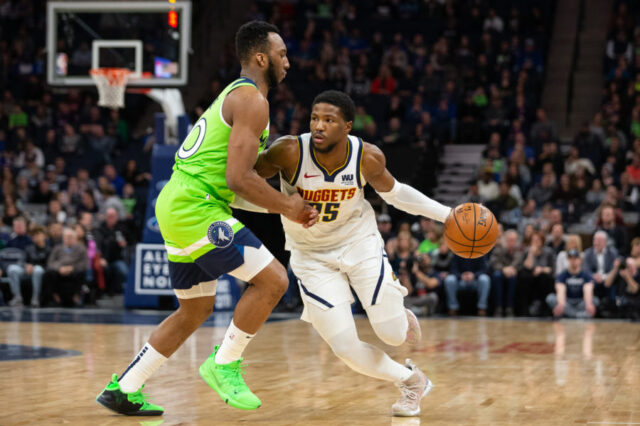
(151, 38)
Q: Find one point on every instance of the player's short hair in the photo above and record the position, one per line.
(339, 99)
(253, 36)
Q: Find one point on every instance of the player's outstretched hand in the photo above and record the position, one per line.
(301, 212)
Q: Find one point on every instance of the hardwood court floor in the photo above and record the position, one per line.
(485, 372)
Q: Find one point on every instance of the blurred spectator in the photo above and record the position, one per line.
(574, 291)
(55, 234)
(113, 238)
(574, 162)
(394, 135)
(595, 195)
(114, 179)
(572, 242)
(70, 141)
(441, 261)
(598, 261)
(31, 154)
(109, 198)
(633, 170)
(505, 202)
(400, 252)
(42, 194)
(65, 272)
(422, 298)
(627, 277)
(493, 22)
(432, 233)
(472, 195)
(589, 146)
(619, 47)
(556, 240)
(55, 212)
(487, 187)
(384, 83)
(544, 129)
(468, 274)
(19, 238)
(635, 250)
(88, 202)
(617, 234)
(542, 192)
(505, 260)
(535, 277)
(385, 227)
(34, 268)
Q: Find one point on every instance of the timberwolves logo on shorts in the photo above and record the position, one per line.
(220, 234)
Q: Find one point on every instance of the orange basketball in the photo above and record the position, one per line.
(470, 230)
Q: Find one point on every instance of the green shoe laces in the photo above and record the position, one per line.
(138, 397)
(233, 372)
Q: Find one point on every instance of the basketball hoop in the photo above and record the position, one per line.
(111, 83)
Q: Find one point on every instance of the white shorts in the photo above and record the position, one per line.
(324, 276)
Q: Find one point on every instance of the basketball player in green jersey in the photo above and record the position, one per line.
(213, 169)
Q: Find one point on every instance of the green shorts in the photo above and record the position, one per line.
(202, 238)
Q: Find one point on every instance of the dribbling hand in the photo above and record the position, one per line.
(301, 212)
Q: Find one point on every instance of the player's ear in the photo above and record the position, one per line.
(262, 59)
(348, 126)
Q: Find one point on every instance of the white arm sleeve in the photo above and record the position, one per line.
(242, 204)
(412, 201)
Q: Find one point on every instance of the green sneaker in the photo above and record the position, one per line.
(129, 404)
(226, 379)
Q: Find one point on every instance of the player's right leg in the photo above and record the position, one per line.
(382, 297)
(196, 294)
(195, 289)
(223, 369)
(337, 327)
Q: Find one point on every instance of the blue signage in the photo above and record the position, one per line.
(151, 278)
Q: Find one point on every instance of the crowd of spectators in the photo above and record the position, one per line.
(71, 188)
(552, 199)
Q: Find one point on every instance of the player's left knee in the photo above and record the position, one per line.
(392, 332)
(281, 283)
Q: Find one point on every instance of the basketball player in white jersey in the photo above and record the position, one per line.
(329, 169)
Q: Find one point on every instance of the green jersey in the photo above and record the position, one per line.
(203, 154)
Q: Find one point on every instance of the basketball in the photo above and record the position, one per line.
(471, 230)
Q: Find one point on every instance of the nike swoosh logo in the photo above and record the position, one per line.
(310, 176)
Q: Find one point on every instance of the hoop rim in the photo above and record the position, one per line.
(115, 76)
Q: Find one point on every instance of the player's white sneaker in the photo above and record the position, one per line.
(416, 387)
(414, 333)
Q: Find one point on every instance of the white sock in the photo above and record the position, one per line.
(141, 368)
(235, 340)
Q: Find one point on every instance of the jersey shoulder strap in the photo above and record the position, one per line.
(242, 81)
(300, 139)
(359, 155)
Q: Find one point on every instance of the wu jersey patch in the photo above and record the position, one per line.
(220, 234)
(347, 179)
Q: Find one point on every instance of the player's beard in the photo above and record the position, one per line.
(272, 78)
(327, 149)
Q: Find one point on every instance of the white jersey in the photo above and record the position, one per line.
(344, 214)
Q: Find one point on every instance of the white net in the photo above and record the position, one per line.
(111, 83)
